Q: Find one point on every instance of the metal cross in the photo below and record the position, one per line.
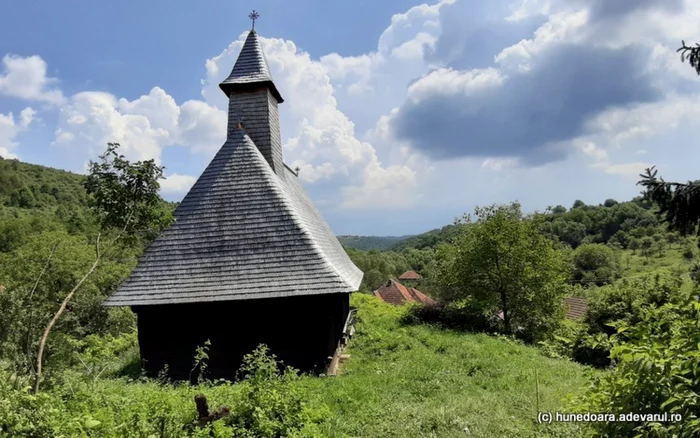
(254, 16)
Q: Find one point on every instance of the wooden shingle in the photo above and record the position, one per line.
(247, 228)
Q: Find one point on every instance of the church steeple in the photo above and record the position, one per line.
(251, 70)
(253, 100)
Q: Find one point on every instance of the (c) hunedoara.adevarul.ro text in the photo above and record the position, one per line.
(560, 417)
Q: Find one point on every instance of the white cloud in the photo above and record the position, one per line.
(143, 126)
(26, 116)
(337, 111)
(320, 139)
(25, 78)
(177, 184)
(623, 169)
(9, 128)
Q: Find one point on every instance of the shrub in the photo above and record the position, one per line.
(595, 263)
(688, 252)
(271, 404)
(465, 316)
(657, 372)
(588, 342)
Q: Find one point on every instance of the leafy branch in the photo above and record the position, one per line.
(692, 54)
(679, 203)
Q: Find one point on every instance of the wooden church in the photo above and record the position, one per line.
(249, 260)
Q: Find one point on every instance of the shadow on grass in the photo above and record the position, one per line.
(450, 317)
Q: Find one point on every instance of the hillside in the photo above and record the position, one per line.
(400, 381)
(368, 243)
(25, 185)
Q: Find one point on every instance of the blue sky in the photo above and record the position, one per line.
(400, 114)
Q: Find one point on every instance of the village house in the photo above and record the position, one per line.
(249, 259)
(410, 276)
(393, 292)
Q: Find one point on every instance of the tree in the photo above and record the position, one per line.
(609, 203)
(504, 263)
(679, 203)
(647, 246)
(596, 263)
(578, 203)
(692, 54)
(125, 199)
(634, 244)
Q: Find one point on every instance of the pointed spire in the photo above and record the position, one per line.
(251, 70)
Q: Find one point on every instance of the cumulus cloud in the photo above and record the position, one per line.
(143, 126)
(176, 183)
(542, 97)
(454, 93)
(25, 78)
(320, 138)
(9, 128)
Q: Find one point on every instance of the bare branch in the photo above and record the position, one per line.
(58, 314)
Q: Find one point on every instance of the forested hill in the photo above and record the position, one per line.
(368, 243)
(25, 185)
(35, 199)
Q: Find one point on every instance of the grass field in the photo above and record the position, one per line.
(400, 381)
(635, 265)
(421, 381)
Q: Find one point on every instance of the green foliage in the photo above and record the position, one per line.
(381, 266)
(692, 54)
(28, 305)
(657, 372)
(201, 357)
(430, 239)
(596, 264)
(271, 404)
(404, 381)
(27, 186)
(678, 202)
(505, 264)
(368, 243)
(622, 302)
(600, 224)
(124, 195)
(463, 316)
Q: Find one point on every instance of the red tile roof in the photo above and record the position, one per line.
(575, 307)
(420, 296)
(396, 293)
(410, 275)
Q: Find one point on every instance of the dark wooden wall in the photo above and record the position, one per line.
(302, 331)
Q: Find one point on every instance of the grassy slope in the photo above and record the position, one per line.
(416, 381)
(401, 381)
(672, 261)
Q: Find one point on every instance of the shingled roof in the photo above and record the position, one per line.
(251, 69)
(243, 231)
(410, 275)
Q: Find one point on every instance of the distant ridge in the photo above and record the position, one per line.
(368, 243)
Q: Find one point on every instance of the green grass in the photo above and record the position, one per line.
(401, 381)
(636, 265)
(421, 381)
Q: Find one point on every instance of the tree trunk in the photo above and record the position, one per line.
(58, 314)
(504, 305)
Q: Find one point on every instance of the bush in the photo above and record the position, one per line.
(688, 252)
(657, 372)
(588, 342)
(595, 263)
(457, 316)
(271, 405)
